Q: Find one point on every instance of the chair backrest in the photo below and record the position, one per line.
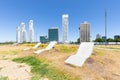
(51, 45)
(36, 46)
(85, 49)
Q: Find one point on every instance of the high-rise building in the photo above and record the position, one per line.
(65, 27)
(98, 36)
(18, 35)
(31, 31)
(53, 34)
(84, 32)
(22, 33)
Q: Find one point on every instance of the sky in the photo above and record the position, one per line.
(48, 13)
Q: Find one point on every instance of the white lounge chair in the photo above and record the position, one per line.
(84, 51)
(36, 46)
(50, 46)
(14, 44)
(26, 49)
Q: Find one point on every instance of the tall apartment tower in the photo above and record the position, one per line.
(18, 35)
(22, 33)
(31, 31)
(65, 27)
(84, 32)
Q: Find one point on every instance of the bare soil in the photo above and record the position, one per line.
(14, 71)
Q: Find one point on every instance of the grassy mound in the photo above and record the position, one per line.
(41, 69)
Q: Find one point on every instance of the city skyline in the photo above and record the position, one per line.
(22, 35)
(46, 14)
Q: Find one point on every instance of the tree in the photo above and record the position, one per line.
(110, 40)
(78, 40)
(117, 40)
(99, 40)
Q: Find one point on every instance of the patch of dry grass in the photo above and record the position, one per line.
(29, 44)
(67, 49)
(102, 65)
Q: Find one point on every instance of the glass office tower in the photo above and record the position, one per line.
(53, 34)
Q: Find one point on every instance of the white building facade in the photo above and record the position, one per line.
(84, 32)
(21, 33)
(31, 31)
(65, 24)
(18, 35)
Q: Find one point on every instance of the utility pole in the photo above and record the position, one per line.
(105, 27)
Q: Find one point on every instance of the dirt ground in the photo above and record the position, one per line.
(14, 71)
(10, 69)
(102, 65)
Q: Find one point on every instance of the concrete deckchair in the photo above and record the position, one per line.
(50, 46)
(84, 51)
(14, 44)
(36, 46)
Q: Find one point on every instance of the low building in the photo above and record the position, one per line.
(116, 36)
(43, 39)
(104, 38)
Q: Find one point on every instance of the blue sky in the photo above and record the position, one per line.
(48, 13)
